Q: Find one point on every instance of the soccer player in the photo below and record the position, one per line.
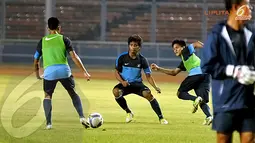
(196, 80)
(53, 48)
(128, 72)
(228, 55)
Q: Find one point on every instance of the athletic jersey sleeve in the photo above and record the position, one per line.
(38, 52)
(191, 49)
(145, 66)
(181, 66)
(186, 53)
(68, 44)
(118, 64)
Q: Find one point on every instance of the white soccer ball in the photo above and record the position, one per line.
(96, 120)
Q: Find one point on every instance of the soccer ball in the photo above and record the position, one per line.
(95, 120)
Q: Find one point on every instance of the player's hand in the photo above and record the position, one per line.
(244, 74)
(154, 66)
(38, 76)
(125, 83)
(87, 75)
(198, 44)
(158, 89)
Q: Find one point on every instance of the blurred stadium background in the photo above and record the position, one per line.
(100, 28)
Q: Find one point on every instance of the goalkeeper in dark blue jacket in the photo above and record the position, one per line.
(228, 55)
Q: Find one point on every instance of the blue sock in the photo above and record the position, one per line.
(186, 96)
(47, 110)
(206, 109)
(156, 108)
(77, 104)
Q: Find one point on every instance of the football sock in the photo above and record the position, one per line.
(77, 104)
(156, 108)
(186, 96)
(47, 110)
(123, 103)
(206, 109)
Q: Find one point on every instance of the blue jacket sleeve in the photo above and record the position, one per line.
(210, 61)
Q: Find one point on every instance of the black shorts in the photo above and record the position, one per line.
(50, 85)
(239, 120)
(135, 88)
(200, 83)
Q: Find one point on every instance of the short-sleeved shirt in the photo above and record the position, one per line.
(187, 53)
(130, 69)
(57, 71)
(181, 66)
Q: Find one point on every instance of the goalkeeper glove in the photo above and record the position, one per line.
(244, 74)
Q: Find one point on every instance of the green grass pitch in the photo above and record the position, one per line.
(96, 95)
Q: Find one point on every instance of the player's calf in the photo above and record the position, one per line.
(47, 106)
(155, 105)
(118, 94)
(76, 102)
(206, 109)
(78, 106)
(185, 96)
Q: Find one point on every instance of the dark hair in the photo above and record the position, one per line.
(53, 23)
(135, 38)
(179, 42)
(229, 3)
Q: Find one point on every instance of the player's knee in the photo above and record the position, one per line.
(47, 95)
(205, 97)
(116, 92)
(247, 137)
(178, 94)
(224, 137)
(71, 92)
(205, 101)
(147, 94)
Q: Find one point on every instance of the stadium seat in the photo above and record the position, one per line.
(81, 19)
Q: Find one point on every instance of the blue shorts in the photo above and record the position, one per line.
(242, 120)
(58, 71)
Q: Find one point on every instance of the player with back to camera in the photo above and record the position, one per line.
(129, 66)
(196, 79)
(228, 55)
(53, 48)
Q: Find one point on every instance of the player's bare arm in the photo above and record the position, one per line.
(198, 44)
(152, 82)
(36, 68)
(79, 64)
(172, 72)
(120, 79)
